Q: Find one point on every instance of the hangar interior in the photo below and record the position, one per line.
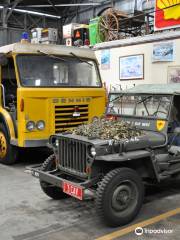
(89, 119)
(18, 16)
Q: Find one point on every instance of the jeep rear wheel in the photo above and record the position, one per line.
(119, 196)
(8, 153)
(50, 190)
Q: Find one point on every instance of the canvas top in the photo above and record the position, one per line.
(172, 89)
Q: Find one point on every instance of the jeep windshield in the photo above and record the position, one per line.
(44, 71)
(154, 106)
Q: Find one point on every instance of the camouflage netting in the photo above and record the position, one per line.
(107, 129)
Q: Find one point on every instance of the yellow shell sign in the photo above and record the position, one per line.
(160, 124)
(171, 8)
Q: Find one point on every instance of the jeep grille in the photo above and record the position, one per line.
(73, 156)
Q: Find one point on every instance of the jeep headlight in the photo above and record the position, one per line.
(93, 151)
(30, 126)
(57, 143)
(40, 125)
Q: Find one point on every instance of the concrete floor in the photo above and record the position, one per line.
(27, 214)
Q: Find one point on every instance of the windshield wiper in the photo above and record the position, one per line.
(144, 99)
(81, 60)
(52, 56)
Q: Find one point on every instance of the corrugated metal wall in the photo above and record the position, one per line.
(8, 36)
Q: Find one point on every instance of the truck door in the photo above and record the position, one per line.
(9, 88)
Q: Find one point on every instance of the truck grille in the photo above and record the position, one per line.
(64, 117)
(73, 156)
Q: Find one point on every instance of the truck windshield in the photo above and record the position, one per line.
(140, 105)
(44, 71)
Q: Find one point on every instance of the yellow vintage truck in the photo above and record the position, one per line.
(45, 89)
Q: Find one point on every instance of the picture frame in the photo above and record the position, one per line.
(174, 74)
(105, 59)
(131, 67)
(163, 52)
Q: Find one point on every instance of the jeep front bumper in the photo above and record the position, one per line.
(55, 178)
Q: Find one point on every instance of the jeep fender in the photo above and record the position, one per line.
(140, 160)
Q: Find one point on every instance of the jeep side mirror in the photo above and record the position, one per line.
(3, 59)
(177, 131)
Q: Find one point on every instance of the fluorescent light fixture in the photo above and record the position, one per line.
(37, 13)
(34, 13)
(64, 5)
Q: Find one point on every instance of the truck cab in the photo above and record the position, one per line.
(45, 89)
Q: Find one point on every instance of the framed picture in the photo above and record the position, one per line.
(163, 52)
(105, 59)
(131, 67)
(174, 74)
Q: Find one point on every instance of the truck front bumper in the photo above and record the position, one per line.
(55, 178)
(31, 143)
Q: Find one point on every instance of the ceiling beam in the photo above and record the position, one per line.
(14, 4)
(53, 6)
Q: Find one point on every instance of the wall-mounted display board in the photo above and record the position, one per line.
(131, 67)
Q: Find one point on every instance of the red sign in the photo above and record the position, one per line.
(73, 190)
(167, 14)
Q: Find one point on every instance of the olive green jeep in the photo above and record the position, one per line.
(114, 172)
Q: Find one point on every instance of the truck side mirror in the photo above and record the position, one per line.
(3, 59)
(177, 131)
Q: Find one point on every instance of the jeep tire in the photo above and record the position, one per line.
(51, 191)
(8, 153)
(119, 196)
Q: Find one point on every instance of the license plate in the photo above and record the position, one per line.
(73, 190)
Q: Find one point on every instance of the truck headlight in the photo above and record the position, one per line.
(30, 126)
(93, 151)
(40, 125)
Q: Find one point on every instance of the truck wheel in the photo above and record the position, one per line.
(8, 153)
(51, 191)
(119, 197)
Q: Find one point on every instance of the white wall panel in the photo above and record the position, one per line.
(154, 72)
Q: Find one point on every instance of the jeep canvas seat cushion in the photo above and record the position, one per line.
(148, 140)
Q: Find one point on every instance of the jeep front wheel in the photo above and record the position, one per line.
(119, 196)
(8, 153)
(51, 191)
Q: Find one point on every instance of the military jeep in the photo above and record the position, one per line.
(114, 173)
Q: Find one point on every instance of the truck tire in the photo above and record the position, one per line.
(51, 191)
(119, 196)
(8, 153)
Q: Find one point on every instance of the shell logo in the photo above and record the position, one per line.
(170, 8)
(167, 14)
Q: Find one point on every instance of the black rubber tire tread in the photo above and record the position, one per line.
(102, 196)
(52, 192)
(12, 151)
